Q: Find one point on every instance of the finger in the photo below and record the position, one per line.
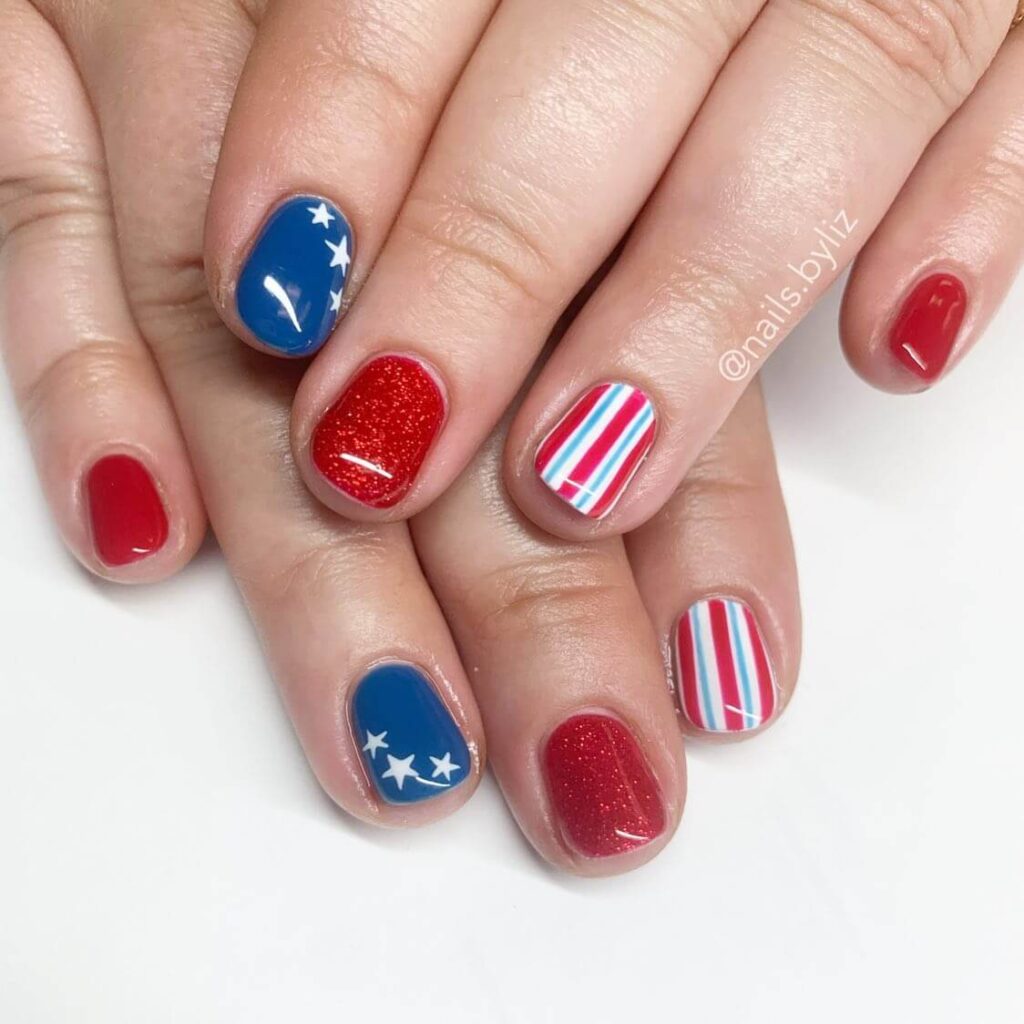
(771, 193)
(717, 573)
(566, 670)
(932, 276)
(346, 618)
(331, 115)
(556, 132)
(105, 438)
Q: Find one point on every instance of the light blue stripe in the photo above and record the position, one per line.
(702, 669)
(748, 697)
(622, 446)
(580, 432)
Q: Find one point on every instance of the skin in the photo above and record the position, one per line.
(117, 347)
(471, 591)
(733, 129)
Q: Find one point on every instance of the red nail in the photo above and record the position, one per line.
(371, 443)
(127, 516)
(601, 786)
(926, 328)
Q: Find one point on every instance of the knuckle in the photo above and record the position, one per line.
(932, 49)
(171, 301)
(320, 570)
(483, 246)
(89, 373)
(710, 28)
(54, 195)
(544, 595)
(375, 71)
(702, 295)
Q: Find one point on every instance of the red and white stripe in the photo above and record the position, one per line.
(597, 447)
(724, 678)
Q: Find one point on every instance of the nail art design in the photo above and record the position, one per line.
(602, 789)
(723, 675)
(290, 289)
(597, 447)
(925, 331)
(372, 442)
(411, 746)
(126, 514)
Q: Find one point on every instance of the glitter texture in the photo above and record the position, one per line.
(601, 787)
(371, 443)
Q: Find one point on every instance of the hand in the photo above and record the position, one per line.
(98, 323)
(488, 157)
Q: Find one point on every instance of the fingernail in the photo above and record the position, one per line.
(925, 330)
(601, 787)
(723, 675)
(290, 289)
(411, 746)
(597, 447)
(371, 443)
(126, 514)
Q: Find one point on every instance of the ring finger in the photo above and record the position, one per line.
(770, 195)
(558, 129)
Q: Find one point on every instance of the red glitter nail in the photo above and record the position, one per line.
(125, 511)
(601, 786)
(371, 443)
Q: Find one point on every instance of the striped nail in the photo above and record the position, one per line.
(597, 447)
(724, 679)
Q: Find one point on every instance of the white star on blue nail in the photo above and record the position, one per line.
(375, 742)
(400, 769)
(444, 766)
(335, 302)
(341, 257)
(321, 215)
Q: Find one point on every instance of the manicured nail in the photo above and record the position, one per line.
(371, 443)
(411, 746)
(925, 331)
(126, 514)
(723, 675)
(290, 289)
(601, 787)
(597, 447)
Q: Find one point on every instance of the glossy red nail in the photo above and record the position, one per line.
(925, 330)
(601, 786)
(371, 443)
(125, 511)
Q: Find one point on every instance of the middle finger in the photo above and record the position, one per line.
(808, 134)
(559, 128)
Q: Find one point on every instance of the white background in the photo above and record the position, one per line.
(165, 854)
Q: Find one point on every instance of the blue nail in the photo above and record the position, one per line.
(290, 289)
(411, 746)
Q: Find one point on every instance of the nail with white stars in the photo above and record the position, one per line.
(290, 290)
(412, 747)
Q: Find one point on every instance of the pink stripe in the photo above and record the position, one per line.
(765, 684)
(687, 669)
(722, 637)
(623, 476)
(606, 440)
(567, 425)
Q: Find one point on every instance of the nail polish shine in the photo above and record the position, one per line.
(601, 787)
(410, 744)
(126, 515)
(927, 326)
(723, 676)
(595, 450)
(372, 442)
(291, 286)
